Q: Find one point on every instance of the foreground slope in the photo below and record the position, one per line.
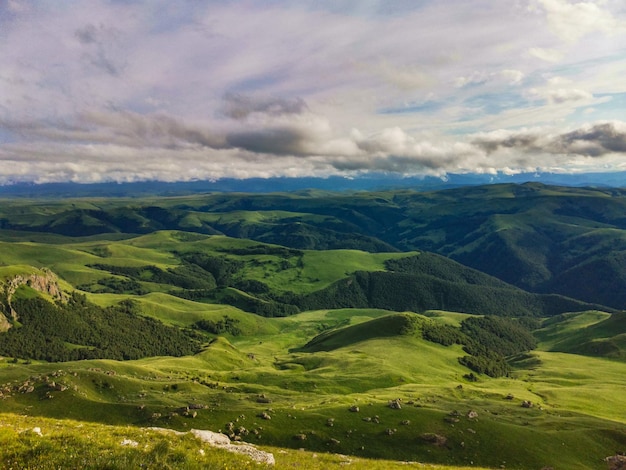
(273, 390)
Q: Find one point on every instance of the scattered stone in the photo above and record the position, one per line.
(616, 462)
(390, 432)
(367, 419)
(472, 414)
(451, 419)
(300, 437)
(527, 404)
(265, 415)
(196, 406)
(509, 397)
(435, 439)
(354, 409)
(129, 442)
(405, 422)
(330, 422)
(395, 404)
(263, 399)
(333, 441)
(37, 430)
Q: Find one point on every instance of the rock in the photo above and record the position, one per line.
(435, 439)
(527, 404)
(129, 442)
(330, 422)
(222, 441)
(354, 409)
(265, 415)
(37, 430)
(395, 404)
(333, 441)
(472, 414)
(405, 422)
(390, 432)
(616, 462)
(509, 397)
(300, 437)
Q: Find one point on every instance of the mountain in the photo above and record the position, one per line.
(370, 182)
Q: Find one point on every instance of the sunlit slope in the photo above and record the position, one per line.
(592, 333)
(378, 362)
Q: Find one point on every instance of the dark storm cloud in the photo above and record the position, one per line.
(277, 141)
(604, 138)
(590, 141)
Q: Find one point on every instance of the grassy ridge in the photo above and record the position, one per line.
(591, 334)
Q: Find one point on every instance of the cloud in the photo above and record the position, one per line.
(571, 21)
(121, 91)
(595, 140)
(548, 55)
(563, 95)
(240, 106)
(120, 128)
(508, 76)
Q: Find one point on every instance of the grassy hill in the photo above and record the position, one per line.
(310, 393)
(595, 334)
(362, 353)
(545, 239)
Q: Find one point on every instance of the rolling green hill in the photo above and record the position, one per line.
(541, 238)
(342, 336)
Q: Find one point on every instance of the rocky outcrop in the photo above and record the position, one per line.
(44, 281)
(223, 442)
(616, 462)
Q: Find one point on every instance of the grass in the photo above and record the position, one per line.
(73, 444)
(302, 391)
(589, 333)
(355, 357)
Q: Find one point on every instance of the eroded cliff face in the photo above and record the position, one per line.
(44, 281)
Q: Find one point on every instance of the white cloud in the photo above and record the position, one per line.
(571, 21)
(548, 55)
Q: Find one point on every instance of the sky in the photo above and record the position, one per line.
(124, 90)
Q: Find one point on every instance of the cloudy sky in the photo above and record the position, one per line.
(124, 90)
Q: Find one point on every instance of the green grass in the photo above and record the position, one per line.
(362, 357)
(72, 444)
(303, 390)
(589, 333)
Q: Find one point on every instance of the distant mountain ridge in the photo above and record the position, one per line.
(370, 182)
